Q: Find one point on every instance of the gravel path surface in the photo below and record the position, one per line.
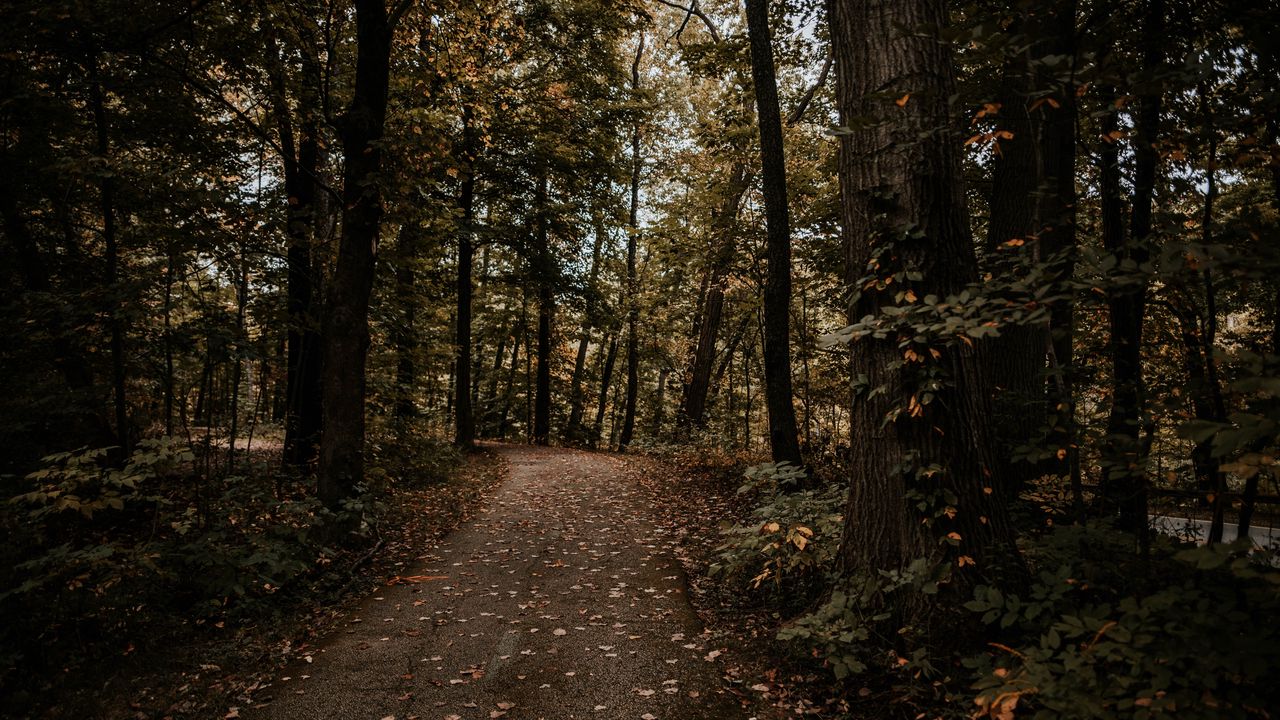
(562, 599)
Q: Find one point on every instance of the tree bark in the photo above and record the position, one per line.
(784, 439)
(546, 309)
(346, 328)
(1124, 455)
(110, 241)
(465, 429)
(606, 380)
(633, 302)
(404, 334)
(902, 203)
(300, 157)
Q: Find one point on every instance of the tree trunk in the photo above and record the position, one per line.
(784, 439)
(633, 301)
(903, 174)
(466, 424)
(575, 430)
(693, 403)
(465, 434)
(300, 156)
(1124, 456)
(606, 379)
(111, 278)
(346, 331)
(546, 309)
(404, 333)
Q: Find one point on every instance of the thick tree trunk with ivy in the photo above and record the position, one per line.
(903, 212)
(346, 328)
(784, 439)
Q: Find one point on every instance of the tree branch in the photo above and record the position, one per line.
(694, 11)
(807, 98)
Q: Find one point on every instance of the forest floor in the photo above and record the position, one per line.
(563, 597)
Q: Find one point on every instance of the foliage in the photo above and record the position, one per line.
(790, 544)
(1085, 641)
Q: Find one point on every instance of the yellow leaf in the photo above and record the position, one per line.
(965, 560)
(902, 101)
(770, 527)
(910, 296)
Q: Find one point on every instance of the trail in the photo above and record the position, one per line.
(561, 599)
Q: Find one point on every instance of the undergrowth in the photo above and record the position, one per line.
(117, 569)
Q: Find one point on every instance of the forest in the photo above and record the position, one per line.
(639, 359)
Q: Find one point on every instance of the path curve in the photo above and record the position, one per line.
(561, 599)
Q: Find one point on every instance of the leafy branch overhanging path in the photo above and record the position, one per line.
(561, 599)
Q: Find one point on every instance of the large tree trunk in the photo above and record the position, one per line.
(346, 331)
(465, 429)
(633, 300)
(784, 440)
(903, 174)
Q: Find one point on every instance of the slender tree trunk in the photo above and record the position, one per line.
(633, 300)
(1124, 454)
(575, 430)
(546, 309)
(606, 380)
(237, 358)
(508, 396)
(784, 438)
(899, 174)
(168, 341)
(660, 402)
(111, 278)
(404, 335)
(693, 403)
(300, 156)
(465, 434)
(346, 331)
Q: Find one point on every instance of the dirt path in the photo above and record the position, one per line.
(560, 600)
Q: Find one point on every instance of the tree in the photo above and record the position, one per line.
(920, 419)
(784, 439)
(346, 326)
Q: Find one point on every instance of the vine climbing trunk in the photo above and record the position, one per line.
(903, 213)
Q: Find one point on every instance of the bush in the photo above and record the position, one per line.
(789, 546)
(1084, 644)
